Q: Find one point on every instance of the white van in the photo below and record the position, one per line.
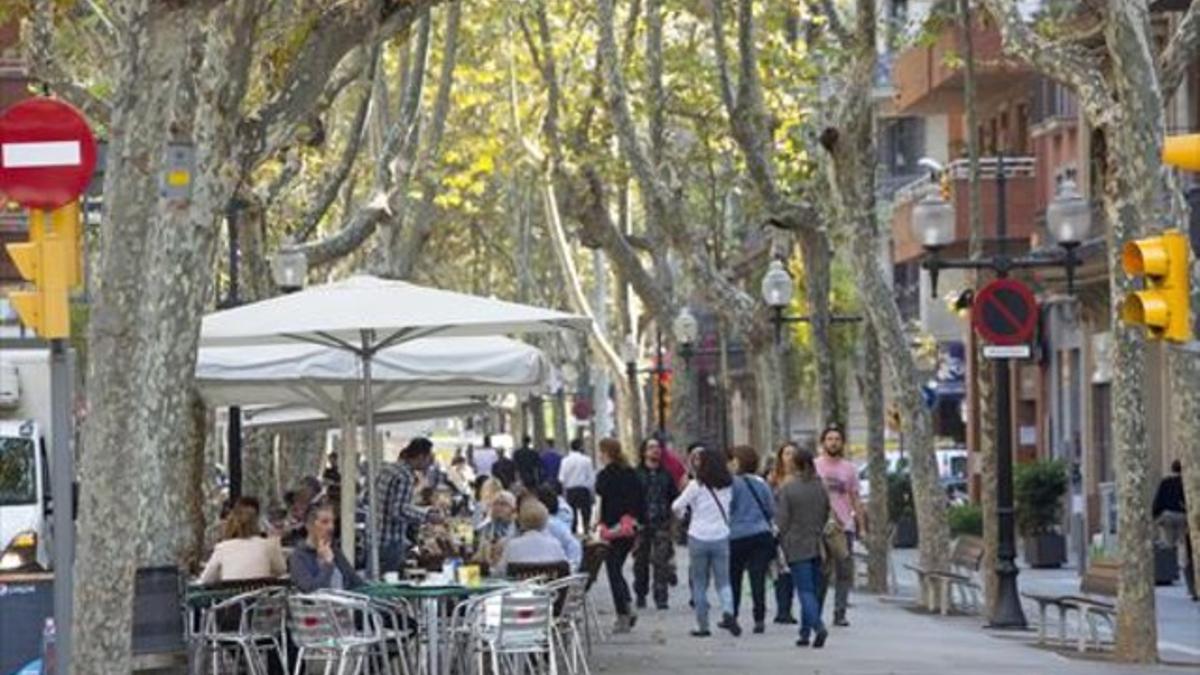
(25, 504)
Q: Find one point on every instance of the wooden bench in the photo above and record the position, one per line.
(938, 586)
(1096, 600)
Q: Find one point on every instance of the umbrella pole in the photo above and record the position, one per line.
(349, 468)
(373, 524)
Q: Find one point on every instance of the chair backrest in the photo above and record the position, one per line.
(547, 570)
(594, 555)
(317, 618)
(1102, 578)
(968, 552)
(524, 619)
(268, 613)
(571, 595)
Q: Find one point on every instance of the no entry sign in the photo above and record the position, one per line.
(1005, 312)
(47, 153)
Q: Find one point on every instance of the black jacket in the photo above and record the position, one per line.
(1169, 496)
(661, 491)
(621, 493)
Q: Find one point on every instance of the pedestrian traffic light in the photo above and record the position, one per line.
(1182, 152)
(51, 261)
(1164, 304)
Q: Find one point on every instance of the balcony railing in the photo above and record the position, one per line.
(960, 169)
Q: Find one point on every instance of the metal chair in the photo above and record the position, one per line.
(519, 631)
(246, 626)
(569, 619)
(399, 625)
(335, 628)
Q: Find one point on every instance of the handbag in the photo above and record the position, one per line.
(626, 528)
(833, 540)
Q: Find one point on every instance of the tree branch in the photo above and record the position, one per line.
(1180, 52)
(1068, 63)
(726, 85)
(358, 227)
(45, 66)
(833, 19)
(331, 186)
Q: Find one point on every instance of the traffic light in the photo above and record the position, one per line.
(1182, 152)
(944, 187)
(51, 261)
(1164, 304)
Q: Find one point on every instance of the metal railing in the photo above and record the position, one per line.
(960, 169)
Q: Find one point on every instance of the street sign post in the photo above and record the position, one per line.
(47, 156)
(1005, 313)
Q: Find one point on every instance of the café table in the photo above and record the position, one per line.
(431, 597)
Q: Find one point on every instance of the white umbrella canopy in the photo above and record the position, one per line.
(365, 315)
(296, 417)
(395, 311)
(316, 376)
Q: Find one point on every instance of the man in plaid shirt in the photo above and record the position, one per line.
(396, 486)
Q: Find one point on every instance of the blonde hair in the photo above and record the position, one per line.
(488, 491)
(533, 515)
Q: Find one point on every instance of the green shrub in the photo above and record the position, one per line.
(965, 519)
(1038, 490)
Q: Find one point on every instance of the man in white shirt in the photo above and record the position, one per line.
(577, 475)
(483, 458)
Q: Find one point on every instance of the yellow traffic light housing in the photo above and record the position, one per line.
(1164, 305)
(1182, 152)
(945, 188)
(51, 261)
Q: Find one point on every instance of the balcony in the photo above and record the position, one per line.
(929, 78)
(1020, 199)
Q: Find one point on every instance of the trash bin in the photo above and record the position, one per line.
(1166, 565)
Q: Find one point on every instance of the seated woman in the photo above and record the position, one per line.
(244, 553)
(497, 529)
(534, 545)
(316, 563)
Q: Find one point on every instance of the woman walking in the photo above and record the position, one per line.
(782, 471)
(708, 497)
(655, 551)
(803, 511)
(622, 509)
(751, 537)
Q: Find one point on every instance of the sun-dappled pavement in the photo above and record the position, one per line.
(885, 636)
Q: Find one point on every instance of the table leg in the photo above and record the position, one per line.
(432, 630)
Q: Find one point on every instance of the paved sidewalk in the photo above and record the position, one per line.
(885, 637)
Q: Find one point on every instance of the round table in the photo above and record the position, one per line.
(431, 597)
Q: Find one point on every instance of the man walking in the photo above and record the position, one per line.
(551, 461)
(841, 483)
(577, 475)
(529, 464)
(483, 458)
(396, 485)
(1170, 513)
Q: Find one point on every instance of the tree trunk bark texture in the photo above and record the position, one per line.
(818, 259)
(851, 147)
(1185, 411)
(870, 387)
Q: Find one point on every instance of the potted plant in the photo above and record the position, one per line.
(1038, 489)
(900, 509)
(965, 519)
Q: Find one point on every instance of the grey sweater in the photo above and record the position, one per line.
(803, 508)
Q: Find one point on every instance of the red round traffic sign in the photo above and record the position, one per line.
(1005, 312)
(47, 153)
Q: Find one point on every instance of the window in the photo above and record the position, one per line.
(18, 475)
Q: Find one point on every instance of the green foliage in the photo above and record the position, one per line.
(900, 496)
(1038, 489)
(965, 519)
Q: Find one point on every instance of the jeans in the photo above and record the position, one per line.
(709, 560)
(580, 499)
(614, 564)
(843, 581)
(655, 553)
(751, 554)
(807, 576)
(785, 591)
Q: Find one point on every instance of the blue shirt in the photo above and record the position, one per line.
(570, 544)
(551, 462)
(752, 508)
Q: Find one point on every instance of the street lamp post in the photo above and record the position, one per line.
(233, 437)
(1068, 219)
(687, 332)
(289, 267)
(659, 370)
(777, 288)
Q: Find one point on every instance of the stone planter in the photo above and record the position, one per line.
(1045, 550)
(906, 532)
